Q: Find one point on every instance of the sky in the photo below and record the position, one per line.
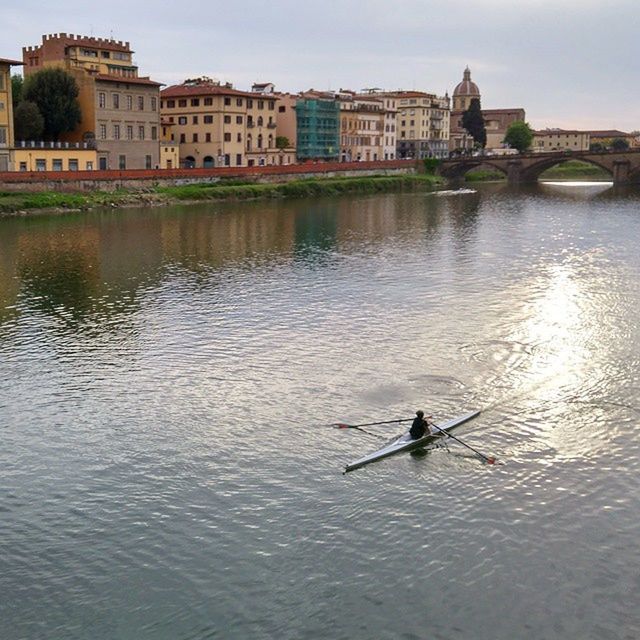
(568, 63)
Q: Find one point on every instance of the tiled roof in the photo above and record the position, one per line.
(126, 80)
(182, 90)
(14, 63)
(610, 133)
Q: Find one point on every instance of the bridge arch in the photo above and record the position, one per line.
(532, 172)
(457, 170)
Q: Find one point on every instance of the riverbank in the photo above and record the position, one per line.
(16, 204)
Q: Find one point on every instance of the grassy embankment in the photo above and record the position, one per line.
(16, 203)
(569, 170)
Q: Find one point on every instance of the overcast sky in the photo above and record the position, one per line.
(569, 63)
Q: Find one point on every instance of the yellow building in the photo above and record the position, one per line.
(119, 108)
(6, 113)
(169, 148)
(219, 126)
(55, 156)
(422, 125)
(560, 140)
(362, 121)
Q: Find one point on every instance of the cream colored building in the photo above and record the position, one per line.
(6, 114)
(422, 125)
(54, 156)
(120, 110)
(219, 126)
(362, 120)
(560, 140)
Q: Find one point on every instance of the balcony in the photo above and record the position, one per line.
(271, 125)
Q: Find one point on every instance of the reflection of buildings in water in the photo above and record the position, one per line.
(9, 282)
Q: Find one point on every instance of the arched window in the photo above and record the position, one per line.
(190, 162)
(260, 141)
(208, 162)
(249, 142)
(270, 141)
(260, 121)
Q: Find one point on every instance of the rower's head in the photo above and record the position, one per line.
(420, 413)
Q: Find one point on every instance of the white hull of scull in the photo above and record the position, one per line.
(406, 443)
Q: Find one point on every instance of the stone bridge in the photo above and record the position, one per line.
(623, 166)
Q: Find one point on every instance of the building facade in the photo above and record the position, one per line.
(422, 125)
(6, 114)
(317, 127)
(216, 125)
(362, 120)
(54, 156)
(560, 140)
(120, 110)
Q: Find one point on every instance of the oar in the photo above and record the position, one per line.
(489, 460)
(342, 425)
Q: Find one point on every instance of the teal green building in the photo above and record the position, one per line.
(318, 129)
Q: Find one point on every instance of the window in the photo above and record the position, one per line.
(154, 133)
(249, 103)
(102, 163)
(171, 104)
(116, 100)
(208, 119)
(23, 166)
(260, 121)
(207, 137)
(182, 103)
(147, 162)
(129, 133)
(57, 164)
(238, 119)
(260, 104)
(41, 164)
(182, 120)
(89, 165)
(129, 103)
(227, 160)
(1, 82)
(73, 164)
(141, 132)
(238, 159)
(3, 135)
(227, 102)
(122, 162)
(195, 102)
(208, 102)
(195, 119)
(195, 137)
(239, 138)
(102, 100)
(272, 105)
(116, 132)
(140, 103)
(154, 104)
(183, 138)
(227, 137)
(281, 109)
(227, 119)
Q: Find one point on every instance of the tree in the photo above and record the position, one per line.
(17, 84)
(282, 142)
(519, 136)
(28, 121)
(473, 122)
(55, 93)
(620, 144)
(597, 147)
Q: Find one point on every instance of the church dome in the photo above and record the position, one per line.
(467, 87)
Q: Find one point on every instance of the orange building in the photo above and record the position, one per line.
(120, 109)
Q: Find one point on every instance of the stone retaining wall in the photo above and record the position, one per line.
(140, 179)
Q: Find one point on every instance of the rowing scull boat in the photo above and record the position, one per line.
(406, 443)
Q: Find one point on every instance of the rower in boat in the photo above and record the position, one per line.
(420, 426)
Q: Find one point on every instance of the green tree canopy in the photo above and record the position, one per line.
(55, 93)
(28, 121)
(17, 84)
(282, 142)
(473, 122)
(620, 144)
(519, 136)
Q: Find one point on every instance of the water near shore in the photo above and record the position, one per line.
(162, 471)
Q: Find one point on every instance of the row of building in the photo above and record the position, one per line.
(131, 122)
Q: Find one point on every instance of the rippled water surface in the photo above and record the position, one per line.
(164, 471)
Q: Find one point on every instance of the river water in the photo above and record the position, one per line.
(164, 471)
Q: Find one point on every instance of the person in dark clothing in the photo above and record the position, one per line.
(420, 426)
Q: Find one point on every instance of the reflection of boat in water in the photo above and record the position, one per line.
(406, 443)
